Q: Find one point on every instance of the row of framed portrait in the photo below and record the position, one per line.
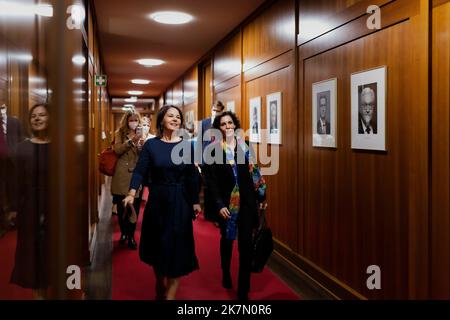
(368, 109)
(273, 111)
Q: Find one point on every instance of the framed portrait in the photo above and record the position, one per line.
(274, 117)
(189, 120)
(255, 119)
(231, 106)
(324, 113)
(368, 111)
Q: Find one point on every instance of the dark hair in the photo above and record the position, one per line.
(30, 112)
(220, 105)
(160, 117)
(233, 116)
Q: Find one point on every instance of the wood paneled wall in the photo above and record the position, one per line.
(190, 86)
(366, 208)
(335, 212)
(440, 178)
(227, 59)
(177, 94)
(269, 34)
(282, 212)
(100, 118)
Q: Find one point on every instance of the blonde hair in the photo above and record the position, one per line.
(123, 129)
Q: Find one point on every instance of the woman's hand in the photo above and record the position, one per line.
(197, 209)
(128, 200)
(225, 213)
(135, 138)
(263, 205)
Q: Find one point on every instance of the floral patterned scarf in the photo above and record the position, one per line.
(258, 182)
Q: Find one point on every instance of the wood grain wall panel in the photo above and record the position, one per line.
(364, 208)
(270, 34)
(3, 58)
(178, 94)
(190, 87)
(207, 93)
(282, 189)
(3, 91)
(169, 96)
(440, 179)
(317, 17)
(227, 59)
(392, 13)
(231, 94)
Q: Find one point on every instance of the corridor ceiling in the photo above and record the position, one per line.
(127, 34)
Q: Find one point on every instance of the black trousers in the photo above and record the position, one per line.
(244, 248)
(126, 227)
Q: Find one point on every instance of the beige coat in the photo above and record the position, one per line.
(128, 157)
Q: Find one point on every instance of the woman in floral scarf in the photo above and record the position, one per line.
(235, 197)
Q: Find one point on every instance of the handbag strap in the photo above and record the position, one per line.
(262, 219)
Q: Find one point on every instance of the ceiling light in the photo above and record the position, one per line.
(44, 10)
(140, 81)
(79, 80)
(135, 92)
(12, 9)
(150, 62)
(171, 17)
(79, 60)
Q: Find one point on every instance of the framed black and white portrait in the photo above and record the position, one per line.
(274, 117)
(255, 119)
(231, 106)
(368, 112)
(324, 113)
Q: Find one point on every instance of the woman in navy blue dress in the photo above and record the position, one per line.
(167, 240)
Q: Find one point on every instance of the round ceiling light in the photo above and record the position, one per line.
(171, 17)
(150, 62)
(140, 81)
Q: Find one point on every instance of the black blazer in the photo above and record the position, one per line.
(361, 128)
(327, 127)
(219, 179)
(14, 133)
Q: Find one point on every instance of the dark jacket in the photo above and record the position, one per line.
(14, 133)
(220, 181)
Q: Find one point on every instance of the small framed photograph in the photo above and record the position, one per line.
(231, 106)
(274, 117)
(368, 100)
(324, 113)
(255, 119)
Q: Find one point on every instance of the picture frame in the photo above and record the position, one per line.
(255, 119)
(368, 109)
(324, 113)
(274, 117)
(231, 106)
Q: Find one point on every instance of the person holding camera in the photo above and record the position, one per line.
(126, 147)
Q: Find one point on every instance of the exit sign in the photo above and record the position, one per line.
(100, 81)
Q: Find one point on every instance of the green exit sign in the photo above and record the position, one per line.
(100, 81)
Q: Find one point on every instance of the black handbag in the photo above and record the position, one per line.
(262, 244)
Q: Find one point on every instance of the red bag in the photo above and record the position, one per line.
(107, 161)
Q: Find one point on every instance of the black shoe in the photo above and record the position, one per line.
(242, 296)
(226, 281)
(132, 243)
(122, 239)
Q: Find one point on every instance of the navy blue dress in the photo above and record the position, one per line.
(167, 238)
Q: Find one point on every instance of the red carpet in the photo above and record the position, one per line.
(7, 252)
(134, 280)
